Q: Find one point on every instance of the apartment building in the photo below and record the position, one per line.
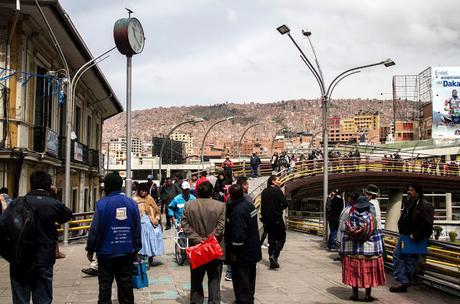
(187, 139)
(117, 148)
(33, 120)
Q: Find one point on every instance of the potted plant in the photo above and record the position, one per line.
(437, 232)
(453, 236)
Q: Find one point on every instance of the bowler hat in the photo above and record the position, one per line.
(362, 202)
(372, 189)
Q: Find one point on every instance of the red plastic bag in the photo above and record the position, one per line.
(204, 252)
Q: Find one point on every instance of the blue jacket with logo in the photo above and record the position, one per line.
(115, 229)
(176, 207)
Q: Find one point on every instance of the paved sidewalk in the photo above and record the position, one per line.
(307, 275)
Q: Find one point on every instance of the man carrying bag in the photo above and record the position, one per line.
(203, 218)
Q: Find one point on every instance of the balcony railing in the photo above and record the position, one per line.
(46, 141)
(79, 153)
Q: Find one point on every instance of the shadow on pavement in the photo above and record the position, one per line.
(226, 294)
(343, 293)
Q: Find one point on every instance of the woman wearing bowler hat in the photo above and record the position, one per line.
(361, 249)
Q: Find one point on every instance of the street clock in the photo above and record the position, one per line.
(129, 36)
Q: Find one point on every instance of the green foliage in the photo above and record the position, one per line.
(453, 236)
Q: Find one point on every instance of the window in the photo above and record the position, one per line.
(86, 202)
(74, 200)
(77, 122)
(93, 205)
(43, 100)
(62, 118)
(97, 137)
(88, 131)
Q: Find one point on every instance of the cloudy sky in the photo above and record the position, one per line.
(211, 51)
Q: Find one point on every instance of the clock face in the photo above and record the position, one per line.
(135, 35)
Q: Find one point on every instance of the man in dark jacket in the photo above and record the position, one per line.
(37, 278)
(416, 222)
(115, 236)
(334, 208)
(273, 203)
(242, 244)
(254, 162)
(167, 193)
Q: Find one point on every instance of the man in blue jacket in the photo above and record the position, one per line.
(176, 207)
(242, 244)
(115, 237)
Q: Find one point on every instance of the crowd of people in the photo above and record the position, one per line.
(125, 230)
(356, 232)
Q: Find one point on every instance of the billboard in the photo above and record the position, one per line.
(445, 87)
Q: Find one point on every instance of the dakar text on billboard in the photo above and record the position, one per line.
(446, 102)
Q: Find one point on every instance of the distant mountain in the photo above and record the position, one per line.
(299, 115)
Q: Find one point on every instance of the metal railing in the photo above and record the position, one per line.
(441, 267)
(79, 225)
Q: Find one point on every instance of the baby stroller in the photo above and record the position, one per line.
(180, 243)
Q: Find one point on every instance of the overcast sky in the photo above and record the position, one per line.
(211, 51)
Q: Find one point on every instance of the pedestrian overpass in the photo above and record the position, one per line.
(442, 268)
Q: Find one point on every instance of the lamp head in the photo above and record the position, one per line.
(230, 118)
(198, 119)
(283, 29)
(306, 33)
(388, 63)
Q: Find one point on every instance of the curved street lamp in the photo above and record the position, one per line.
(160, 160)
(206, 134)
(326, 96)
(241, 139)
(369, 142)
(313, 137)
(274, 137)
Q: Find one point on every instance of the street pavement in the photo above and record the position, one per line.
(307, 275)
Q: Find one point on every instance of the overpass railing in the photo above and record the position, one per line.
(440, 268)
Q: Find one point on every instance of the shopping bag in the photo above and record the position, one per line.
(139, 278)
(409, 246)
(204, 252)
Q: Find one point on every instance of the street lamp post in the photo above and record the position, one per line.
(241, 139)
(325, 97)
(160, 159)
(274, 137)
(206, 134)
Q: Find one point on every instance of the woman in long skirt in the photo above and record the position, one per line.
(151, 232)
(361, 249)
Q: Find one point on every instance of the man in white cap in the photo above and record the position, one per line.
(176, 206)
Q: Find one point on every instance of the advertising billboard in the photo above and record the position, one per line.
(446, 102)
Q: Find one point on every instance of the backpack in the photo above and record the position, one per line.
(360, 226)
(19, 231)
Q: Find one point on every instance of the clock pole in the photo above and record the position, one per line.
(128, 180)
(129, 39)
